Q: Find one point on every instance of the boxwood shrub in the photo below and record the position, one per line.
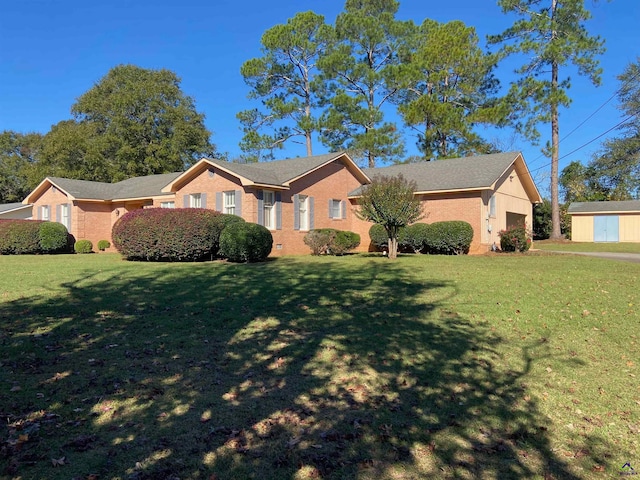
(31, 237)
(219, 224)
(103, 245)
(245, 242)
(167, 234)
(54, 238)
(83, 246)
(449, 238)
(330, 241)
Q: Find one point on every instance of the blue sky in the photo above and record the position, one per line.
(53, 51)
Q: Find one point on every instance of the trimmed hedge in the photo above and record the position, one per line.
(449, 238)
(83, 246)
(19, 237)
(411, 238)
(245, 242)
(167, 234)
(414, 237)
(329, 241)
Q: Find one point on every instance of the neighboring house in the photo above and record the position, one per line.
(15, 211)
(491, 192)
(291, 197)
(614, 221)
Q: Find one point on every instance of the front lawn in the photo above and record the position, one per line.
(503, 366)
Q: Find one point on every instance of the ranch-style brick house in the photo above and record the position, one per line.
(291, 197)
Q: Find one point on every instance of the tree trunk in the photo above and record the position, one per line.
(393, 247)
(555, 140)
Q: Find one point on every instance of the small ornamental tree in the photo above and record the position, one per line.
(390, 202)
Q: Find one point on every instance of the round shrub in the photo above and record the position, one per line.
(245, 242)
(378, 236)
(219, 224)
(343, 242)
(449, 238)
(83, 246)
(103, 245)
(515, 239)
(53, 237)
(414, 237)
(166, 234)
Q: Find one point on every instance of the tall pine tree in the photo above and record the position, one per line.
(552, 36)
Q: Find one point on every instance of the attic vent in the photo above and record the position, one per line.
(54, 189)
(211, 172)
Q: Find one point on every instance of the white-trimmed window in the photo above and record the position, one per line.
(303, 210)
(45, 213)
(167, 204)
(230, 202)
(335, 208)
(65, 214)
(269, 210)
(195, 200)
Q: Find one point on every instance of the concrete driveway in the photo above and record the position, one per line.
(623, 257)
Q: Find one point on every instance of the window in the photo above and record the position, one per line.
(195, 200)
(303, 210)
(335, 210)
(64, 215)
(230, 203)
(492, 206)
(167, 204)
(45, 213)
(269, 210)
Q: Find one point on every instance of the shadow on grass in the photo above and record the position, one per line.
(283, 370)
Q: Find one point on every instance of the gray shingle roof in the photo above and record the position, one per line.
(467, 173)
(8, 207)
(612, 206)
(277, 172)
(148, 186)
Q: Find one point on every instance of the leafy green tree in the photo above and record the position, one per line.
(18, 155)
(617, 165)
(579, 183)
(133, 122)
(284, 78)
(390, 202)
(551, 34)
(450, 89)
(363, 68)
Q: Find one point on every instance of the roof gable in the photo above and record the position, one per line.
(277, 174)
(480, 172)
(136, 187)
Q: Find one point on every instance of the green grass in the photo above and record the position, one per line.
(504, 366)
(569, 246)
